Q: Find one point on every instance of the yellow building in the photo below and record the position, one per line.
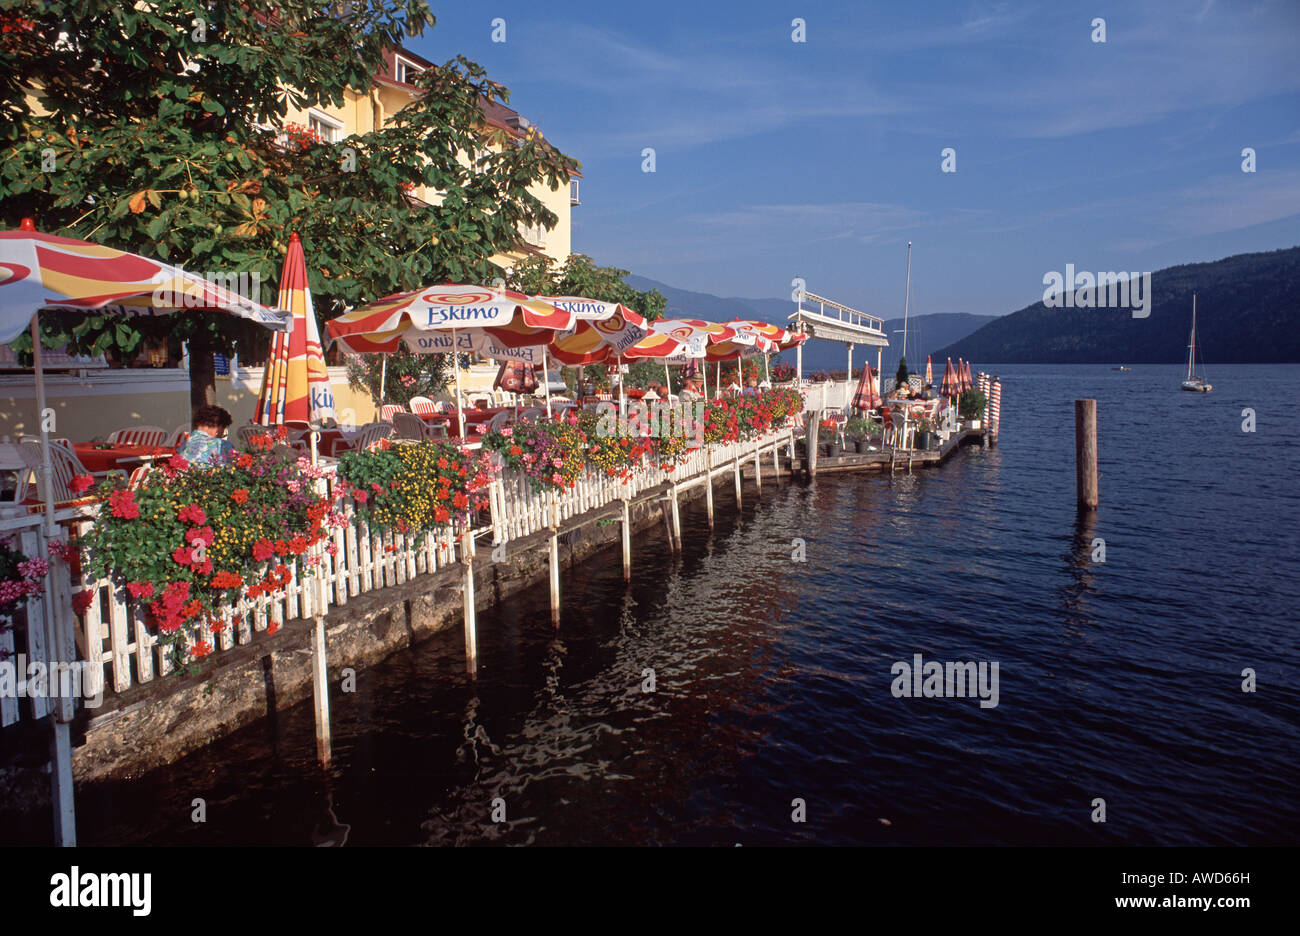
(365, 111)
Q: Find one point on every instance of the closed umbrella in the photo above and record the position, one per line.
(295, 385)
(929, 372)
(867, 396)
(951, 385)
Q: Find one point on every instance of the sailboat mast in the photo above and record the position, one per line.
(907, 295)
(1191, 347)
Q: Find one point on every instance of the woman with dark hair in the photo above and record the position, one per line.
(207, 444)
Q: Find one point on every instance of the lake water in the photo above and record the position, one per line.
(1120, 681)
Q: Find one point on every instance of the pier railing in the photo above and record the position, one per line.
(115, 648)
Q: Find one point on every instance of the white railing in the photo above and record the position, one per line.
(27, 637)
(114, 639)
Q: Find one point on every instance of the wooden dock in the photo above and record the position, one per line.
(897, 460)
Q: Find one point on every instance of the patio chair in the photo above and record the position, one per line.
(139, 435)
(423, 406)
(388, 409)
(477, 431)
(532, 414)
(902, 430)
(371, 434)
(410, 426)
(179, 435)
(246, 434)
(65, 465)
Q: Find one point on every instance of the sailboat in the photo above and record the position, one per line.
(1194, 382)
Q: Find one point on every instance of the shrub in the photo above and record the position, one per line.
(415, 487)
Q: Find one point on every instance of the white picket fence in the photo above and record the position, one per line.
(114, 639)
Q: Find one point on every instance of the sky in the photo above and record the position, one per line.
(821, 159)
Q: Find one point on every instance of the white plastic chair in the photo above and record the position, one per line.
(423, 406)
(65, 465)
(179, 435)
(139, 435)
(388, 409)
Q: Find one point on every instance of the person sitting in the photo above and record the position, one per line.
(207, 444)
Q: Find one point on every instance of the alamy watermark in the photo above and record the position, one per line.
(657, 420)
(935, 680)
(193, 294)
(20, 679)
(1108, 290)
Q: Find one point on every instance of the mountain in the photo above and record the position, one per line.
(1247, 312)
(924, 331)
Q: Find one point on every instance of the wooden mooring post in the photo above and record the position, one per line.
(813, 420)
(320, 690)
(627, 541)
(553, 559)
(736, 470)
(1085, 454)
(708, 486)
(471, 624)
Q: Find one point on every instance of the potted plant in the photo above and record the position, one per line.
(861, 431)
(970, 405)
(830, 446)
(924, 434)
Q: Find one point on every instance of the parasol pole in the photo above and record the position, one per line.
(62, 788)
(546, 375)
(460, 401)
(668, 378)
(622, 389)
(383, 374)
(766, 373)
(704, 370)
(47, 468)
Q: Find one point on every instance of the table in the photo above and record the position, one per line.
(107, 459)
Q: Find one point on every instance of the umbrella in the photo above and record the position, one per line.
(868, 395)
(43, 271)
(929, 372)
(295, 385)
(451, 318)
(516, 378)
(970, 381)
(950, 386)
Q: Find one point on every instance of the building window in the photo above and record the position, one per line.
(535, 234)
(405, 71)
(327, 128)
(573, 193)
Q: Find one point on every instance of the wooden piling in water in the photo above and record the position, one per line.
(471, 624)
(813, 419)
(708, 486)
(553, 559)
(1085, 454)
(677, 523)
(758, 472)
(627, 541)
(736, 470)
(320, 691)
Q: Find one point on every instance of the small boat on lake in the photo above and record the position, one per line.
(1194, 382)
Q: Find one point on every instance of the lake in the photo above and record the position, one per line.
(1118, 680)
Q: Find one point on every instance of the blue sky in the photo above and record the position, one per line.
(821, 159)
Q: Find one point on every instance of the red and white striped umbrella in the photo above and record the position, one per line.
(929, 372)
(295, 384)
(44, 271)
(951, 385)
(602, 330)
(451, 318)
(867, 396)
